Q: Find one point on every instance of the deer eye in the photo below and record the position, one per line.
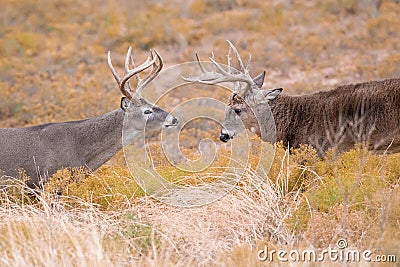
(237, 111)
(148, 112)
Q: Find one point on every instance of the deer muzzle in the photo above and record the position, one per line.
(225, 136)
(171, 121)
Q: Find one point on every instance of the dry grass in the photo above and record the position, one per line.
(48, 231)
(303, 204)
(43, 235)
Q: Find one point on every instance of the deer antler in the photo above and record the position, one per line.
(219, 74)
(123, 82)
(142, 83)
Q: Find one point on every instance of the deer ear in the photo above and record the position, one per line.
(271, 94)
(125, 103)
(259, 80)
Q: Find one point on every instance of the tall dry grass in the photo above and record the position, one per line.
(306, 202)
(39, 231)
(48, 231)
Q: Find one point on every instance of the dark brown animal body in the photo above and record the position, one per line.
(366, 113)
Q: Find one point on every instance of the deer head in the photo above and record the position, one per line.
(138, 110)
(248, 103)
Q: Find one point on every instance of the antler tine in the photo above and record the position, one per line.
(138, 79)
(218, 66)
(229, 76)
(114, 73)
(239, 59)
(214, 77)
(229, 59)
(126, 90)
(248, 62)
(201, 66)
(220, 74)
(117, 78)
(127, 57)
(202, 77)
(154, 72)
(131, 72)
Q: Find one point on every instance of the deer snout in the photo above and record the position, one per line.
(171, 121)
(224, 136)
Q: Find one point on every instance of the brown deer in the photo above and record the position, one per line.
(42, 150)
(367, 113)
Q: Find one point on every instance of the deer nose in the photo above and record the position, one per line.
(224, 137)
(171, 121)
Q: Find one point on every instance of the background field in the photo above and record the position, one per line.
(53, 68)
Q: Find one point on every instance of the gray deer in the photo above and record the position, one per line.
(42, 150)
(367, 113)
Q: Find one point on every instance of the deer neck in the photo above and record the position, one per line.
(103, 138)
(282, 108)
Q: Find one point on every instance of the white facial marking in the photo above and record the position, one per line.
(169, 120)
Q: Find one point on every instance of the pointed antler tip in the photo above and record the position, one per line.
(109, 60)
(230, 43)
(156, 52)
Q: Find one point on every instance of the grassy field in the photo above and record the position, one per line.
(53, 68)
